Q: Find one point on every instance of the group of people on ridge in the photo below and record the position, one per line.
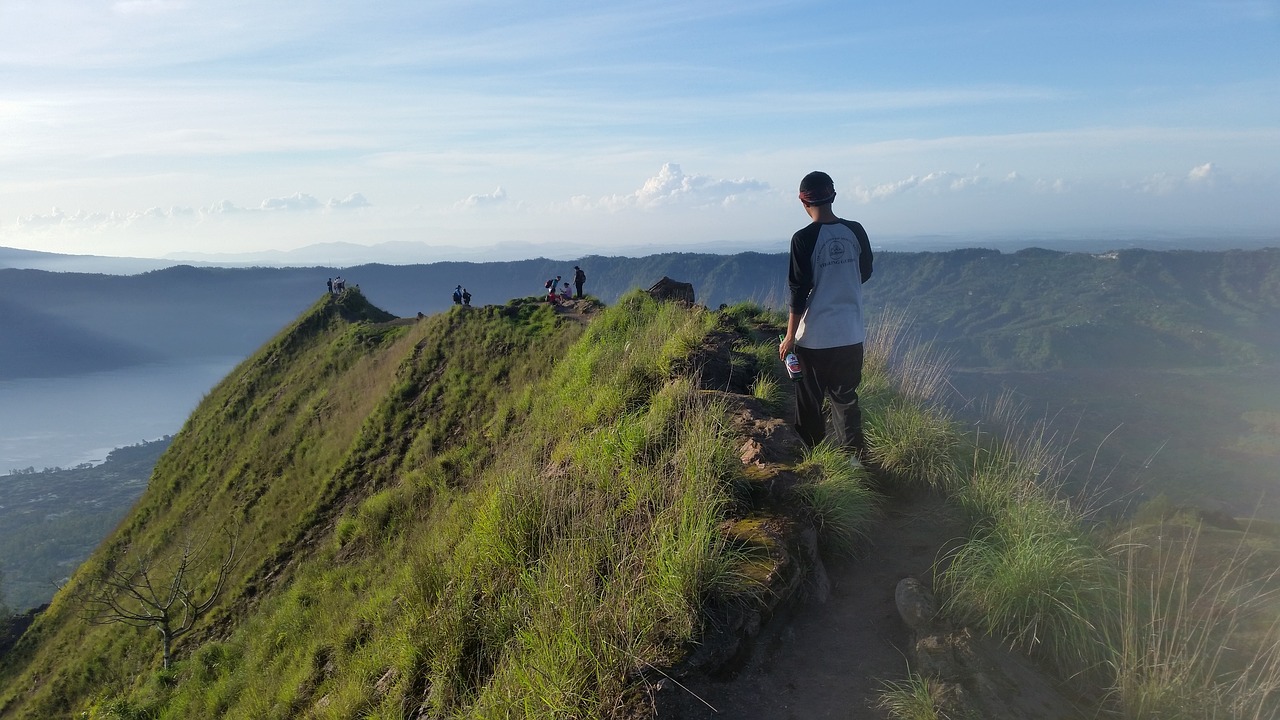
(830, 260)
(556, 291)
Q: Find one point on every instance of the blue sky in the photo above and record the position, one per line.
(148, 127)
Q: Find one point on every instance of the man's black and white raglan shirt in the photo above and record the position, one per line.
(829, 263)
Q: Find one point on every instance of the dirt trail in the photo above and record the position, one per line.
(829, 659)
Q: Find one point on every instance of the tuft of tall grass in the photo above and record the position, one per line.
(915, 698)
(909, 431)
(1189, 644)
(769, 392)
(1044, 591)
(914, 441)
(1171, 631)
(1031, 573)
(842, 504)
(913, 370)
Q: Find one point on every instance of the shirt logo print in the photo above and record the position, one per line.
(837, 252)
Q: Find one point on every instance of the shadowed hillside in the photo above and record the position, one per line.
(1040, 309)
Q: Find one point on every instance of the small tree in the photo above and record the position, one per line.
(160, 593)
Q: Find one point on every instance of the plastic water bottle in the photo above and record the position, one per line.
(793, 364)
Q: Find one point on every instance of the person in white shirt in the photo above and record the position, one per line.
(830, 260)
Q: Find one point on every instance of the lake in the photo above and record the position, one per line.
(65, 421)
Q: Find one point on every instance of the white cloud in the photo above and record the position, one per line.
(1165, 184)
(1202, 173)
(95, 220)
(350, 202)
(1056, 186)
(296, 201)
(672, 187)
(496, 197)
(935, 182)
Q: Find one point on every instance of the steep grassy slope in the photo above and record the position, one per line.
(475, 514)
(327, 414)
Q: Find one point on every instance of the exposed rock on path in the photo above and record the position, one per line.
(829, 659)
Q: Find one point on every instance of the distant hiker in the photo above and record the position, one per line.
(457, 295)
(830, 259)
(339, 284)
(566, 293)
(579, 278)
(466, 297)
(550, 286)
(330, 286)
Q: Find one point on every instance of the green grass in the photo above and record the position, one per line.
(770, 393)
(1155, 630)
(916, 698)
(499, 535)
(447, 517)
(843, 507)
(1200, 630)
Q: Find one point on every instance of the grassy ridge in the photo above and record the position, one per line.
(495, 512)
(478, 514)
(318, 419)
(537, 586)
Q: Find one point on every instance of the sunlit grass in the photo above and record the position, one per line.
(843, 507)
(769, 392)
(504, 535)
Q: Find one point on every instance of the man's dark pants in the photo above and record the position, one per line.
(834, 373)
(579, 286)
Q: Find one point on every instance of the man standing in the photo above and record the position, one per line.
(830, 259)
(579, 278)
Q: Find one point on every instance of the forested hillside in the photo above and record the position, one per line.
(1038, 309)
(52, 519)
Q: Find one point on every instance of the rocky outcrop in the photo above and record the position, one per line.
(668, 289)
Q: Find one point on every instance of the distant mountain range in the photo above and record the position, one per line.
(346, 254)
(1029, 310)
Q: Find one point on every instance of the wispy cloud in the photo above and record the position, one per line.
(103, 220)
(147, 7)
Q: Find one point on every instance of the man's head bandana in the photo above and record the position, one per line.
(817, 189)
